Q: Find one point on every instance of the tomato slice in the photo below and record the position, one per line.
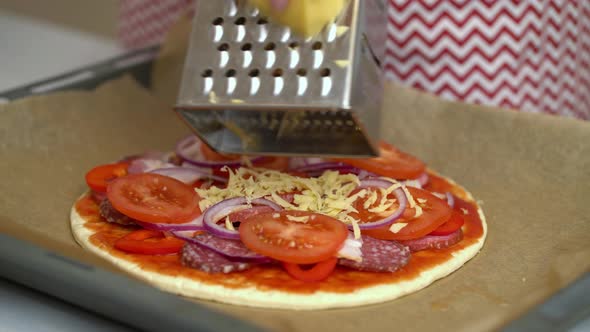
(318, 272)
(453, 224)
(99, 177)
(435, 213)
(147, 242)
(272, 234)
(213, 155)
(202, 184)
(274, 163)
(153, 198)
(298, 174)
(392, 163)
(365, 215)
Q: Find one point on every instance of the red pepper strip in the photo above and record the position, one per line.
(148, 242)
(318, 272)
(99, 177)
(454, 223)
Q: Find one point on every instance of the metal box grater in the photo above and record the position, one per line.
(252, 87)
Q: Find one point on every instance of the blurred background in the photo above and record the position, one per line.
(532, 56)
(40, 39)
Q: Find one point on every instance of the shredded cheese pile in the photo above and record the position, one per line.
(330, 194)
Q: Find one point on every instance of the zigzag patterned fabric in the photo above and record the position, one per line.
(532, 56)
(527, 55)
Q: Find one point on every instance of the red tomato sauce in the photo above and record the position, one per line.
(273, 277)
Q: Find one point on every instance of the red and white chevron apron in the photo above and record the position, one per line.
(528, 55)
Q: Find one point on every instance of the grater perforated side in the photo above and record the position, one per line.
(252, 87)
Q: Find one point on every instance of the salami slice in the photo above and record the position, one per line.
(110, 214)
(233, 249)
(207, 260)
(434, 241)
(379, 256)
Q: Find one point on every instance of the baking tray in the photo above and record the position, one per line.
(137, 64)
(568, 310)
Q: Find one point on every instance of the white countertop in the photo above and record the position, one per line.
(31, 50)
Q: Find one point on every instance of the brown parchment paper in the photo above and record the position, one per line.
(531, 172)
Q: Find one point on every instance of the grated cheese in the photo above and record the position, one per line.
(441, 196)
(409, 196)
(419, 211)
(247, 161)
(464, 210)
(372, 199)
(398, 226)
(213, 97)
(228, 224)
(329, 194)
(302, 219)
(412, 203)
(280, 201)
(356, 229)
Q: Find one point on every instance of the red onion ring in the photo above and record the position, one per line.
(232, 249)
(226, 207)
(189, 165)
(351, 248)
(363, 174)
(144, 165)
(399, 194)
(189, 149)
(193, 225)
(418, 182)
(375, 182)
(188, 175)
(344, 170)
(412, 183)
(297, 162)
(450, 199)
(323, 167)
(423, 179)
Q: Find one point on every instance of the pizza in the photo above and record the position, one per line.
(276, 232)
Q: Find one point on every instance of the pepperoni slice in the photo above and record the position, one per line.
(379, 256)
(434, 241)
(233, 249)
(110, 214)
(207, 260)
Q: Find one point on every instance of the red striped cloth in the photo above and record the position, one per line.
(145, 22)
(527, 55)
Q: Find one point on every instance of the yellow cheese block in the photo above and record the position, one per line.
(305, 17)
